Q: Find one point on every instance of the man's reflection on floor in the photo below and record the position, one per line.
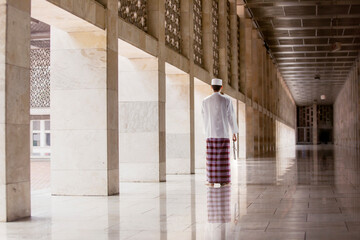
(219, 213)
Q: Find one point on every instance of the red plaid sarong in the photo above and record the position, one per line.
(218, 160)
(218, 203)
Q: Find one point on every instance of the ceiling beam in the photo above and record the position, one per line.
(311, 37)
(310, 28)
(312, 16)
(312, 45)
(313, 63)
(298, 3)
(312, 51)
(330, 57)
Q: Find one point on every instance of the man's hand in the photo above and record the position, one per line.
(234, 137)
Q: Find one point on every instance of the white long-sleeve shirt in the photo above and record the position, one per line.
(218, 115)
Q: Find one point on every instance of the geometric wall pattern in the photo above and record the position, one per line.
(134, 12)
(238, 51)
(198, 46)
(172, 24)
(40, 78)
(215, 36)
(228, 42)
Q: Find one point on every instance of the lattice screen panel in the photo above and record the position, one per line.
(172, 24)
(325, 114)
(215, 33)
(198, 44)
(305, 116)
(40, 78)
(305, 125)
(228, 42)
(134, 12)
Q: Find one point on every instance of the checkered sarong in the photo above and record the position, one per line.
(218, 160)
(218, 203)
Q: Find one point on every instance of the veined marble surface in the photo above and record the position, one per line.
(314, 195)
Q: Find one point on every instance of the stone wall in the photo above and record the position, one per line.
(268, 99)
(347, 111)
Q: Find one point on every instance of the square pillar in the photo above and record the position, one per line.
(315, 127)
(249, 117)
(84, 110)
(242, 130)
(142, 119)
(201, 91)
(178, 124)
(14, 110)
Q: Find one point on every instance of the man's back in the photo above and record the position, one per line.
(218, 115)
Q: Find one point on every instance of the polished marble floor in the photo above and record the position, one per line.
(307, 193)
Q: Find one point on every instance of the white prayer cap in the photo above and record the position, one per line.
(216, 81)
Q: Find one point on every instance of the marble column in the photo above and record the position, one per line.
(202, 90)
(178, 124)
(314, 126)
(14, 110)
(242, 130)
(141, 136)
(84, 111)
(250, 125)
(256, 132)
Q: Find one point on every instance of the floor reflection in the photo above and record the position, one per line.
(311, 192)
(219, 212)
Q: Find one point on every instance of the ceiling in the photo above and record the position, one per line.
(302, 35)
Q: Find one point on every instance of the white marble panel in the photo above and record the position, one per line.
(138, 64)
(178, 165)
(83, 131)
(2, 36)
(138, 117)
(77, 149)
(78, 109)
(242, 129)
(202, 90)
(177, 96)
(177, 121)
(139, 148)
(2, 93)
(138, 86)
(79, 182)
(139, 172)
(2, 201)
(77, 40)
(178, 145)
(2, 154)
(177, 153)
(78, 68)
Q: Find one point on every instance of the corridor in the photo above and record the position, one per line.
(315, 195)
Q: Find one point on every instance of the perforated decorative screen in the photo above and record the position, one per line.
(172, 24)
(215, 33)
(134, 12)
(40, 78)
(198, 44)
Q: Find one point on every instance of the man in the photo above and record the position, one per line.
(218, 115)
